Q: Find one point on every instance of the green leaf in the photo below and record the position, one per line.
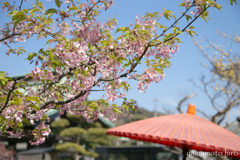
(116, 109)
(103, 102)
(44, 117)
(182, 4)
(25, 10)
(137, 26)
(125, 107)
(218, 6)
(124, 85)
(2, 119)
(18, 20)
(48, 20)
(169, 35)
(167, 13)
(1, 75)
(73, 8)
(133, 108)
(20, 124)
(188, 17)
(179, 32)
(191, 33)
(3, 127)
(191, 27)
(6, 3)
(231, 1)
(127, 34)
(31, 56)
(123, 29)
(50, 12)
(35, 99)
(51, 56)
(16, 101)
(58, 3)
(34, 106)
(77, 39)
(89, 18)
(26, 121)
(34, 10)
(145, 32)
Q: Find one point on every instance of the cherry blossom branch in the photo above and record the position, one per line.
(93, 6)
(183, 28)
(133, 66)
(50, 34)
(73, 2)
(96, 90)
(175, 21)
(49, 85)
(63, 102)
(18, 10)
(20, 5)
(12, 35)
(8, 96)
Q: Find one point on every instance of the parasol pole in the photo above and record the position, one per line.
(185, 150)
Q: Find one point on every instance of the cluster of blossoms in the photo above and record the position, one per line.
(42, 130)
(6, 153)
(82, 57)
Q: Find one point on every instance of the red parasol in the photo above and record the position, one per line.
(187, 131)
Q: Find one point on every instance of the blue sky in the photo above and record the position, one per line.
(185, 63)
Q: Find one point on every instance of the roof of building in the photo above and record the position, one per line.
(235, 127)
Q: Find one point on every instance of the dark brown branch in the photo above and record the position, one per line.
(63, 102)
(49, 85)
(93, 6)
(175, 22)
(220, 120)
(182, 101)
(96, 90)
(133, 66)
(212, 100)
(8, 96)
(52, 35)
(182, 29)
(18, 10)
(204, 114)
(12, 35)
(20, 5)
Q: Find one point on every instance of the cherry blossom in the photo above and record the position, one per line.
(84, 55)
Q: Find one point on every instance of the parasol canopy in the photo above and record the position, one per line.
(187, 131)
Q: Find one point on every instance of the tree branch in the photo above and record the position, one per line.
(12, 35)
(182, 101)
(8, 96)
(204, 114)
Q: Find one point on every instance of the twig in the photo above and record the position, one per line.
(174, 22)
(204, 114)
(12, 35)
(182, 101)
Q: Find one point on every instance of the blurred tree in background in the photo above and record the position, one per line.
(80, 137)
(222, 88)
